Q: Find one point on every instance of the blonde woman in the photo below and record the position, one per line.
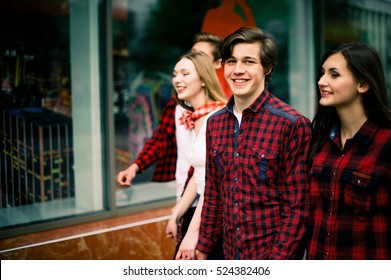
(199, 95)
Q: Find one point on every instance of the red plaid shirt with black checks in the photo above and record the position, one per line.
(257, 181)
(351, 196)
(161, 148)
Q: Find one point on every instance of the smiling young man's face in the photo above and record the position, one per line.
(244, 71)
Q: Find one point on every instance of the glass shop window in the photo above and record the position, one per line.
(48, 167)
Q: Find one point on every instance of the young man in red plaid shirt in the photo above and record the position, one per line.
(257, 179)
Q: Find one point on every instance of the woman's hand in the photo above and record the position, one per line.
(188, 246)
(172, 229)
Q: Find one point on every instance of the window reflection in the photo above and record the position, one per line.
(35, 101)
(38, 140)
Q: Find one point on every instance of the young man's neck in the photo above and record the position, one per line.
(241, 103)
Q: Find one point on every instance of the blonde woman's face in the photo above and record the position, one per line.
(186, 80)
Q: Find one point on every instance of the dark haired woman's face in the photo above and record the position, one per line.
(337, 85)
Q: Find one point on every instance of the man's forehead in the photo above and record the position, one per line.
(205, 47)
(245, 50)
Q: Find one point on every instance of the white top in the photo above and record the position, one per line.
(182, 165)
(192, 149)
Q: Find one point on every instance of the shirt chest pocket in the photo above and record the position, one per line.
(320, 180)
(265, 163)
(219, 154)
(357, 190)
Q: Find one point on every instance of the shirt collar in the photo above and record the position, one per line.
(367, 132)
(255, 106)
(334, 132)
(364, 134)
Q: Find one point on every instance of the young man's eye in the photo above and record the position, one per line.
(230, 61)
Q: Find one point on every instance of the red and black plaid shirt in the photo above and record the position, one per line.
(257, 181)
(161, 148)
(351, 196)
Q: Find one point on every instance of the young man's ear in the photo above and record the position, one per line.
(268, 71)
(217, 64)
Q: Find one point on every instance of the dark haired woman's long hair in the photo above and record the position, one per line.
(364, 63)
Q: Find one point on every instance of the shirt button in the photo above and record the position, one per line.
(263, 155)
(332, 193)
(330, 213)
(236, 204)
(237, 154)
(333, 173)
(236, 179)
(358, 181)
(237, 229)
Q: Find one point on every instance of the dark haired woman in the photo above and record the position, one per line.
(350, 161)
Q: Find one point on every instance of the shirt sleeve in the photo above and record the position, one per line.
(155, 147)
(294, 189)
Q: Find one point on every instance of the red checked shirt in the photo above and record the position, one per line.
(161, 147)
(257, 182)
(351, 196)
